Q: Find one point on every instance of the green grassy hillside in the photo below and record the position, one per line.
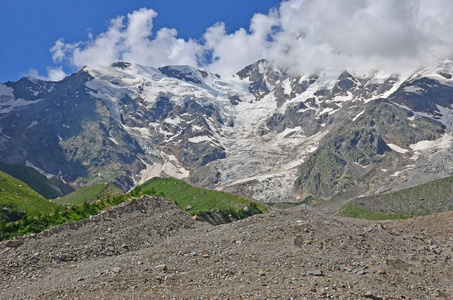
(89, 194)
(197, 200)
(432, 197)
(49, 188)
(17, 199)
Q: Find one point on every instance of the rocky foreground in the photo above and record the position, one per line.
(148, 249)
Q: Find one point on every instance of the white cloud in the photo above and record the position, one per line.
(231, 52)
(362, 34)
(53, 74)
(129, 39)
(301, 36)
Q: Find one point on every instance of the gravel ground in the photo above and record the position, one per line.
(149, 249)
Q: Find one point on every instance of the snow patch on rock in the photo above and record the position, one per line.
(397, 148)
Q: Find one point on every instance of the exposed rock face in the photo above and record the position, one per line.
(257, 132)
(424, 95)
(349, 156)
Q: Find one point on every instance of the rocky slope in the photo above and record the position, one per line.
(147, 248)
(261, 132)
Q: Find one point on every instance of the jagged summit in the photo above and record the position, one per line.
(262, 132)
(121, 64)
(184, 73)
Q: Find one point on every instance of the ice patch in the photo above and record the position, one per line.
(305, 109)
(396, 174)
(148, 84)
(447, 116)
(164, 132)
(138, 131)
(173, 137)
(170, 167)
(29, 164)
(291, 133)
(146, 174)
(437, 72)
(397, 148)
(113, 140)
(363, 167)
(326, 110)
(153, 124)
(348, 97)
(6, 91)
(32, 124)
(200, 139)
(445, 142)
(7, 101)
(358, 115)
(196, 128)
(173, 121)
(1, 132)
(413, 89)
(287, 87)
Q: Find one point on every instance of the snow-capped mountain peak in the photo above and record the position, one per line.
(257, 132)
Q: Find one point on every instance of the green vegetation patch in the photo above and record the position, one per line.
(198, 201)
(18, 199)
(429, 198)
(49, 188)
(89, 194)
(40, 222)
(353, 210)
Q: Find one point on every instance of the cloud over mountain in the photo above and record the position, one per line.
(301, 36)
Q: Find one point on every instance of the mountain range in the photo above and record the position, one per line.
(261, 132)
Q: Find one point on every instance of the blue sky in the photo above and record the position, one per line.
(30, 27)
(50, 39)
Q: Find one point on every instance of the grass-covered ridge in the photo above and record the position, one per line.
(17, 199)
(40, 222)
(198, 201)
(429, 198)
(47, 187)
(89, 194)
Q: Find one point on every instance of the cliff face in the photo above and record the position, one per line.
(260, 132)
